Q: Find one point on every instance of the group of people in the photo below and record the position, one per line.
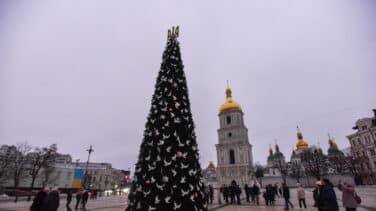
(323, 194)
(48, 199)
(325, 197)
(232, 191)
(209, 194)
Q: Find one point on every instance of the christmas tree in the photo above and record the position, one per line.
(168, 173)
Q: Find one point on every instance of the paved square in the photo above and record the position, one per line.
(118, 203)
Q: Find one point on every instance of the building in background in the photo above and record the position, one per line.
(234, 152)
(209, 175)
(363, 144)
(69, 175)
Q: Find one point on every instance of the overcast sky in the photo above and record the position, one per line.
(78, 73)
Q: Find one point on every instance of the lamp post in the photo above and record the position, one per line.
(86, 176)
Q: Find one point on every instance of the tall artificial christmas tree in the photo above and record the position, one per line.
(168, 173)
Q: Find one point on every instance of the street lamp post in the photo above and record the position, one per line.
(86, 177)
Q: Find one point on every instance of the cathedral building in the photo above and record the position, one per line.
(234, 152)
(274, 160)
(300, 147)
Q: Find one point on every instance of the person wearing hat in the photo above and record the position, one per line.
(39, 199)
(327, 199)
(52, 200)
(316, 193)
(301, 196)
(286, 196)
(348, 195)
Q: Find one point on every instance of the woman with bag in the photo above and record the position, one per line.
(349, 196)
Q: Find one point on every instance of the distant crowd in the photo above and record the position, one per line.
(323, 194)
(48, 199)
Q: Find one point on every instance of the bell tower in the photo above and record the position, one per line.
(234, 152)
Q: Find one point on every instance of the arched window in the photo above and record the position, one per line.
(228, 120)
(232, 156)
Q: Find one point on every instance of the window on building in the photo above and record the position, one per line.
(353, 142)
(372, 152)
(364, 127)
(228, 120)
(359, 141)
(232, 156)
(229, 134)
(58, 173)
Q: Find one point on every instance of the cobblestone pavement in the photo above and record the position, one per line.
(368, 195)
(118, 203)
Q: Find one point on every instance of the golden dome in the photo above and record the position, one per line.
(332, 143)
(270, 151)
(229, 103)
(301, 143)
(211, 165)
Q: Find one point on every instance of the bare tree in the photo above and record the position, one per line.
(38, 159)
(5, 162)
(19, 163)
(338, 163)
(296, 170)
(354, 166)
(315, 163)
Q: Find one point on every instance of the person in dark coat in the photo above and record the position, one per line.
(52, 201)
(232, 190)
(69, 197)
(327, 198)
(270, 194)
(225, 193)
(250, 190)
(39, 199)
(256, 193)
(286, 196)
(85, 198)
(246, 191)
(211, 194)
(78, 198)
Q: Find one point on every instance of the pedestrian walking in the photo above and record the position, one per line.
(256, 192)
(250, 190)
(301, 196)
(52, 200)
(270, 194)
(265, 196)
(246, 191)
(225, 193)
(211, 194)
(39, 199)
(232, 191)
(85, 198)
(78, 198)
(348, 195)
(238, 191)
(275, 189)
(286, 196)
(327, 198)
(316, 193)
(69, 197)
